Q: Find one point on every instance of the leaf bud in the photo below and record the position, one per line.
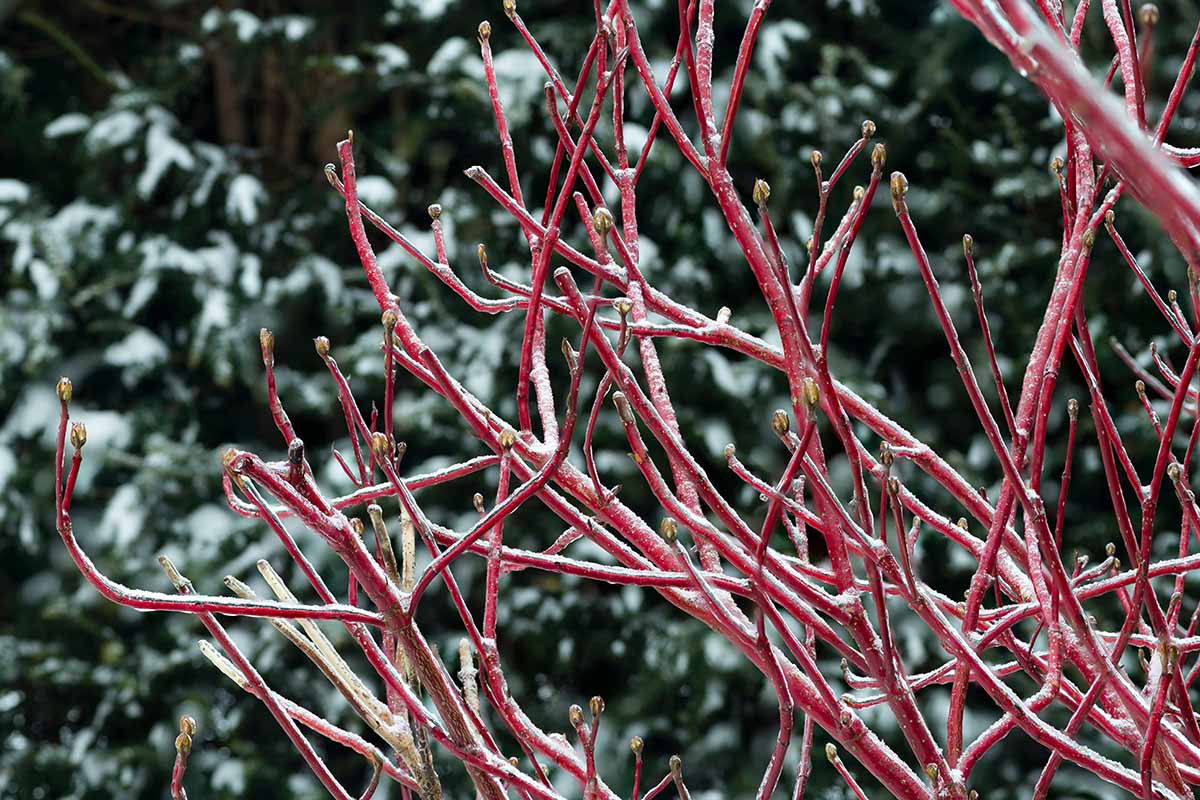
(379, 445)
(266, 340)
(762, 190)
(878, 155)
(78, 435)
(508, 438)
(624, 411)
(812, 393)
(603, 222)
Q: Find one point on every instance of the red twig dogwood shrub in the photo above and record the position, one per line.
(785, 606)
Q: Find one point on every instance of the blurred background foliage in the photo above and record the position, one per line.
(161, 198)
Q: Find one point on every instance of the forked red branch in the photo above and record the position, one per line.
(801, 609)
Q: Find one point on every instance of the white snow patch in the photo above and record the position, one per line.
(124, 517)
(376, 192)
(67, 125)
(390, 58)
(114, 130)
(162, 152)
(774, 47)
(449, 58)
(246, 194)
(519, 77)
(141, 348)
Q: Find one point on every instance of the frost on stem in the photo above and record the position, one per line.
(787, 602)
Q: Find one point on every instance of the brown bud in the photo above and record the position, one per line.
(859, 194)
(878, 156)
(357, 526)
(295, 454)
(868, 128)
(1073, 409)
(603, 221)
(1109, 217)
(481, 251)
(762, 189)
(973, 795)
(187, 725)
(893, 485)
(899, 185)
(379, 445)
(623, 306)
(510, 8)
(669, 530)
(1148, 15)
(968, 245)
(730, 451)
(596, 705)
(623, 409)
(831, 752)
(322, 345)
(570, 355)
(575, 715)
(477, 501)
(812, 393)
(676, 765)
(886, 456)
(64, 389)
(931, 770)
(1057, 164)
(1089, 239)
(780, 422)
(508, 438)
(1110, 549)
(1172, 295)
(814, 158)
(485, 31)
(723, 315)
(435, 209)
(1173, 471)
(266, 341)
(389, 319)
(183, 744)
(637, 745)
(962, 523)
(78, 435)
